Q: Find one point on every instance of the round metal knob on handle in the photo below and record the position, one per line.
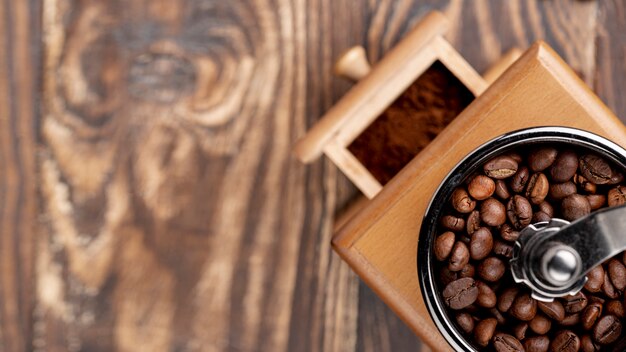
(560, 264)
(353, 64)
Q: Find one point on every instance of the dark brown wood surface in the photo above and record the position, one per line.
(148, 197)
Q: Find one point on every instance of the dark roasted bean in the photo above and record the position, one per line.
(617, 196)
(554, 310)
(537, 344)
(501, 167)
(540, 324)
(462, 202)
(484, 331)
(481, 244)
(559, 191)
(519, 180)
(465, 322)
(575, 206)
(486, 296)
(617, 274)
(519, 212)
(564, 167)
(595, 169)
(507, 343)
(615, 307)
(596, 201)
(492, 212)
(565, 341)
(590, 314)
(502, 191)
(473, 222)
(575, 303)
(508, 233)
(481, 187)
(595, 279)
(491, 269)
(524, 307)
(542, 158)
(460, 293)
(453, 223)
(459, 257)
(505, 301)
(537, 188)
(607, 330)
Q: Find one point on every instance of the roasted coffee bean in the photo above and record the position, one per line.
(465, 322)
(575, 303)
(492, 212)
(595, 299)
(496, 314)
(540, 216)
(537, 344)
(547, 208)
(617, 274)
(503, 249)
(502, 191)
(590, 315)
(520, 330)
(481, 187)
(565, 341)
(519, 212)
(617, 196)
(443, 245)
(575, 206)
(467, 271)
(481, 244)
(545, 212)
(616, 308)
(554, 310)
(491, 269)
(537, 188)
(571, 319)
(559, 191)
(608, 288)
(595, 169)
(462, 202)
(460, 293)
(584, 184)
(520, 179)
(486, 296)
(564, 166)
(596, 201)
(508, 233)
(473, 222)
(542, 158)
(453, 223)
(524, 307)
(507, 343)
(506, 298)
(595, 278)
(447, 276)
(588, 345)
(459, 257)
(540, 324)
(607, 330)
(501, 167)
(483, 332)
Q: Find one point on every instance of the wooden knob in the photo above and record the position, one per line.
(353, 64)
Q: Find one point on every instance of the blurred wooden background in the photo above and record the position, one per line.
(148, 197)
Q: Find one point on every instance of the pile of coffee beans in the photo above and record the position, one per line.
(475, 241)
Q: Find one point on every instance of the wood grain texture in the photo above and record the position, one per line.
(149, 199)
(610, 72)
(18, 210)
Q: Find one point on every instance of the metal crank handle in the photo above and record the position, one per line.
(553, 258)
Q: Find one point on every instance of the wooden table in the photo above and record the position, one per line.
(149, 200)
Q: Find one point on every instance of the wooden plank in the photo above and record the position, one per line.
(610, 72)
(18, 71)
(175, 216)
